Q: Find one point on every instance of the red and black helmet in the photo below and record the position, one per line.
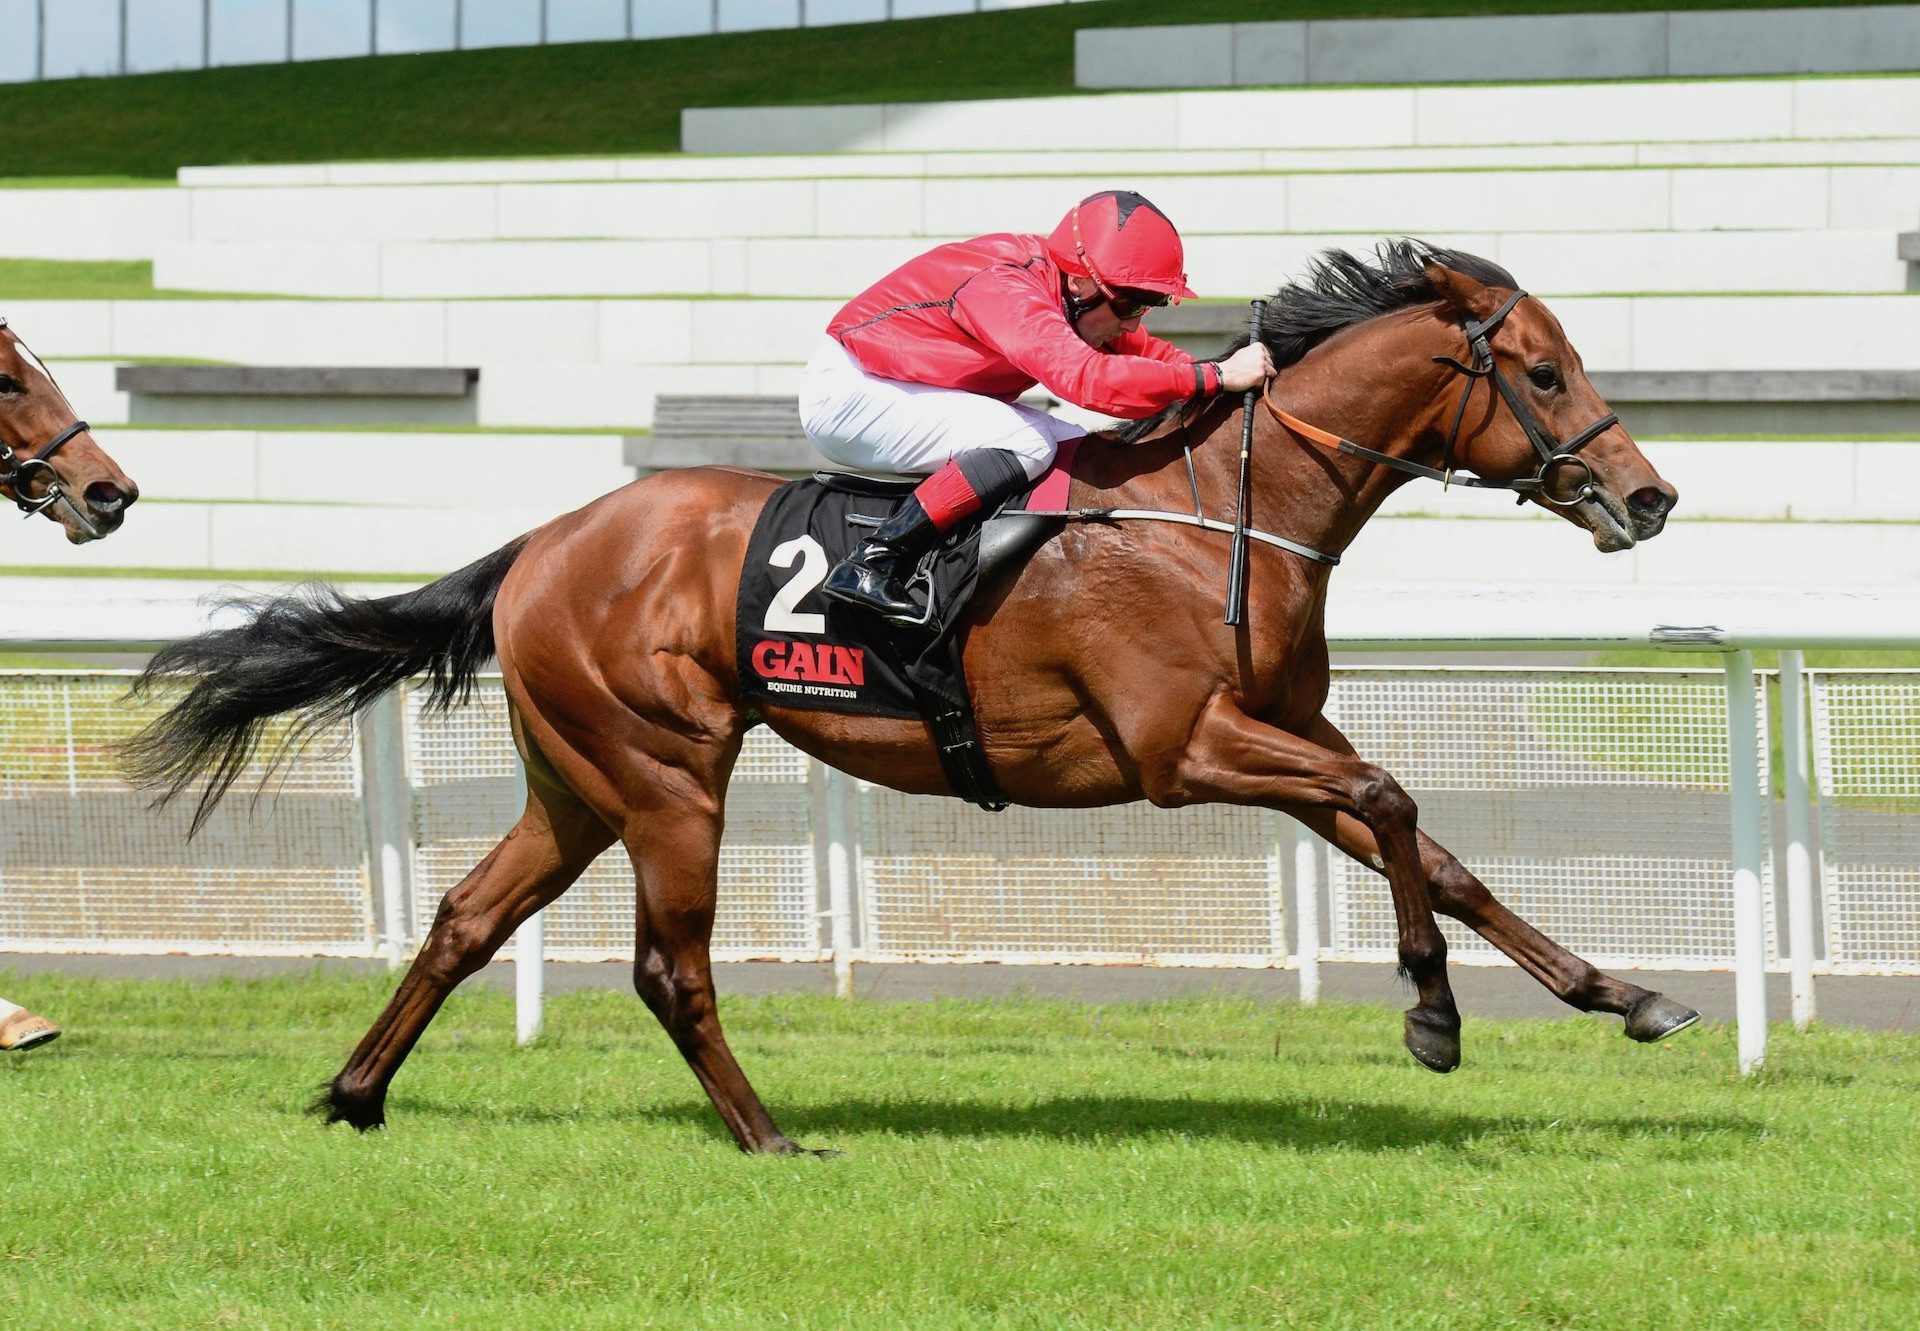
(1119, 239)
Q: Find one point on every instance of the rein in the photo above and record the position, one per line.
(1552, 452)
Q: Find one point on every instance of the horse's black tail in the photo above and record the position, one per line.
(317, 654)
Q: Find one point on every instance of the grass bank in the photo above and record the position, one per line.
(1009, 1164)
(601, 97)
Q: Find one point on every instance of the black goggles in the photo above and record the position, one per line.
(1131, 302)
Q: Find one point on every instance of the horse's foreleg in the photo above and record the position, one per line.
(1230, 757)
(1575, 981)
(676, 861)
(1456, 892)
(552, 844)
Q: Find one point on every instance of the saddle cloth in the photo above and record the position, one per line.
(797, 648)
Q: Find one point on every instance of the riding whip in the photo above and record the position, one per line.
(1237, 562)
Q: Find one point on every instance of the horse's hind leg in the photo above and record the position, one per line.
(676, 862)
(552, 844)
(1457, 892)
(1568, 977)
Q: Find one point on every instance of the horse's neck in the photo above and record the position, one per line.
(1373, 384)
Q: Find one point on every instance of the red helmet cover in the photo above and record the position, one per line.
(1119, 239)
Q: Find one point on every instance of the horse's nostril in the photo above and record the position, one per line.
(106, 497)
(1650, 500)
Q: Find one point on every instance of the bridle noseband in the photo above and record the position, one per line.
(1552, 452)
(16, 472)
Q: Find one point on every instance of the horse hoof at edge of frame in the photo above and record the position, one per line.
(1436, 1044)
(1656, 1016)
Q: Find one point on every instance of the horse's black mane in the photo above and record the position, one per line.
(1338, 292)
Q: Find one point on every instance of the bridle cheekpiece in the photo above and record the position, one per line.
(17, 473)
(1551, 452)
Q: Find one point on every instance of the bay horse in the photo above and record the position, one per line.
(614, 629)
(84, 491)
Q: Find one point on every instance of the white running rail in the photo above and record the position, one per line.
(1656, 780)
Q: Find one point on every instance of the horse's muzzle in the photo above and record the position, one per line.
(1647, 509)
(95, 512)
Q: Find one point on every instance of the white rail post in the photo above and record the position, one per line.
(530, 978)
(1306, 908)
(1749, 937)
(840, 879)
(529, 950)
(1279, 839)
(1793, 739)
(386, 792)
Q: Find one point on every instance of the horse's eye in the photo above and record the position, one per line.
(9, 386)
(1544, 377)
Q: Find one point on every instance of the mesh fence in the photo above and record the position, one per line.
(466, 793)
(84, 866)
(1866, 735)
(942, 880)
(1593, 803)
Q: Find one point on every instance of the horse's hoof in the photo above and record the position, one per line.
(334, 1106)
(1656, 1016)
(1434, 1042)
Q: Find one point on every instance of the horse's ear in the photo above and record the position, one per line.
(1464, 293)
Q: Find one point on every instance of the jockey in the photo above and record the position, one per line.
(21, 1029)
(919, 373)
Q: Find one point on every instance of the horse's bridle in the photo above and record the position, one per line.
(16, 472)
(1552, 452)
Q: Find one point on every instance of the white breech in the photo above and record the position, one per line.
(872, 424)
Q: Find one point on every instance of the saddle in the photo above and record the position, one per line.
(796, 648)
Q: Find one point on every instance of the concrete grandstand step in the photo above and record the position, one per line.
(1689, 551)
(1552, 263)
(348, 538)
(366, 539)
(1777, 480)
(512, 395)
(1594, 112)
(457, 470)
(1016, 160)
(1848, 39)
(92, 224)
(600, 363)
(1206, 200)
(1830, 479)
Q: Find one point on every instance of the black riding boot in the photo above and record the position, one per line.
(873, 576)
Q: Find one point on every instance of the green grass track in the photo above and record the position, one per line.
(1007, 1164)
(605, 97)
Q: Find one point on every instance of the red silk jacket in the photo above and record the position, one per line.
(986, 316)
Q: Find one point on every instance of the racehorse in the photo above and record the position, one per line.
(85, 491)
(614, 628)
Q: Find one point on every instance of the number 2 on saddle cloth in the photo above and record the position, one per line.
(796, 648)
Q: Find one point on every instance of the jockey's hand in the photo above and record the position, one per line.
(1249, 367)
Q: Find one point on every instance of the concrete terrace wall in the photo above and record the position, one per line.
(599, 364)
(1698, 44)
(239, 499)
(1555, 263)
(1742, 110)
